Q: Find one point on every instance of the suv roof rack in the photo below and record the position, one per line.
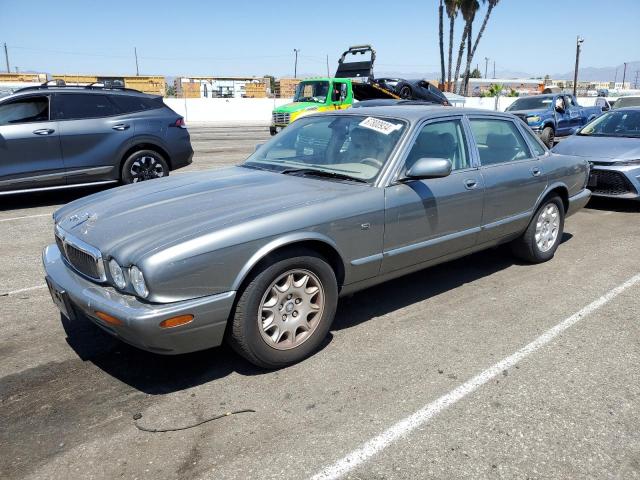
(59, 83)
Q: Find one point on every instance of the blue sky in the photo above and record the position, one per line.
(256, 38)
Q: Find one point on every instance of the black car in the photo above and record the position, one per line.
(58, 136)
(414, 90)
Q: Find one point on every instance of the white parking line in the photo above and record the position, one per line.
(25, 216)
(22, 290)
(426, 413)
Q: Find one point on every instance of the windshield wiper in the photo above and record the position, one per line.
(322, 173)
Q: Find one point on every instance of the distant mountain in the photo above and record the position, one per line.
(604, 74)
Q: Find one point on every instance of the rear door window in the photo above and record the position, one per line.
(77, 106)
(25, 110)
(498, 141)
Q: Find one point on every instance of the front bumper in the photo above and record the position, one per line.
(141, 320)
(614, 181)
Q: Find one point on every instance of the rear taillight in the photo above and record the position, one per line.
(180, 123)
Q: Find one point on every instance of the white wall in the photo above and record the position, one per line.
(226, 110)
(257, 111)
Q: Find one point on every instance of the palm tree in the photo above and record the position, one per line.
(460, 53)
(452, 7)
(440, 26)
(492, 4)
(468, 8)
(472, 51)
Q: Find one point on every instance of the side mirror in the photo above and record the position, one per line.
(430, 168)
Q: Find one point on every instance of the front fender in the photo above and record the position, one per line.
(275, 244)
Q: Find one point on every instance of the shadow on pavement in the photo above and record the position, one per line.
(614, 204)
(48, 198)
(149, 372)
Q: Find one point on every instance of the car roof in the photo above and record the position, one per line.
(416, 113)
(79, 89)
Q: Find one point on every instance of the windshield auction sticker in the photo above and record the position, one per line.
(380, 126)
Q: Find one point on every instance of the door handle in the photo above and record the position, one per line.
(470, 184)
(120, 127)
(44, 131)
(536, 172)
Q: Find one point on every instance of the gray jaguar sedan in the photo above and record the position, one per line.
(258, 254)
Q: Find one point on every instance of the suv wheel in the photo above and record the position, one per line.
(284, 313)
(543, 235)
(144, 165)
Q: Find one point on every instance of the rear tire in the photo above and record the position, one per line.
(540, 240)
(143, 165)
(285, 311)
(548, 136)
(406, 92)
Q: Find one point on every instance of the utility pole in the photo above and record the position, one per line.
(6, 57)
(635, 82)
(494, 69)
(486, 65)
(624, 74)
(135, 51)
(328, 74)
(579, 42)
(295, 66)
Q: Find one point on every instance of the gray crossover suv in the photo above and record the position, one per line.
(336, 202)
(60, 136)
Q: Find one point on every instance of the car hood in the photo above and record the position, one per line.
(296, 107)
(527, 112)
(130, 221)
(612, 148)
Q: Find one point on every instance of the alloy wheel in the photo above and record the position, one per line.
(146, 167)
(291, 309)
(547, 227)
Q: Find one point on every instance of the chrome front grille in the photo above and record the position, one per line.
(80, 256)
(279, 118)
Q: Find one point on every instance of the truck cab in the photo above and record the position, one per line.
(313, 95)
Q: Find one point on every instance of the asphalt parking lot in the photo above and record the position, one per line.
(431, 342)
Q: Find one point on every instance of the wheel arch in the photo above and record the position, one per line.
(311, 240)
(549, 123)
(145, 145)
(559, 189)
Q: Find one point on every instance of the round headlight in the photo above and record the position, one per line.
(116, 274)
(137, 280)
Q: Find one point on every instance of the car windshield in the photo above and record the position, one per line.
(627, 102)
(345, 147)
(312, 92)
(623, 123)
(530, 103)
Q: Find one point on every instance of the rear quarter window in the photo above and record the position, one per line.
(132, 103)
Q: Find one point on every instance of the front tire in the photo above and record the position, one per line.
(144, 165)
(540, 240)
(548, 136)
(285, 311)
